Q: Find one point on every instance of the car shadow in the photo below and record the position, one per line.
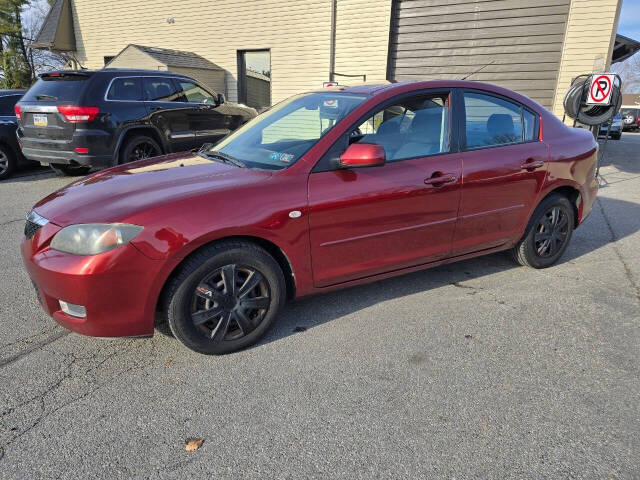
(29, 174)
(621, 154)
(597, 231)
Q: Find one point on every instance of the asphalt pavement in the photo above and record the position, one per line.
(480, 369)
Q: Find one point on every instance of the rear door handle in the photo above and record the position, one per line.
(440, 180)
(532, 164)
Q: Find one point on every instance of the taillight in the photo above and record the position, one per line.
(18, 111)
(73, 113)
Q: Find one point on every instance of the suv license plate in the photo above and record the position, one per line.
(40, 120)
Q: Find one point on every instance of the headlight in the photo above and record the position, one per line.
(94, 238)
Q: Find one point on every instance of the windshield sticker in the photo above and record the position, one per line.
(331, 103)
(282, 157)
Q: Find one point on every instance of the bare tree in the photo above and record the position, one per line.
(629, 71)
(33, 17)
(20, 23)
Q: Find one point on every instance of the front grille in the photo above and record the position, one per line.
(30, 229)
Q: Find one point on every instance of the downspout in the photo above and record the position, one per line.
(332, 45)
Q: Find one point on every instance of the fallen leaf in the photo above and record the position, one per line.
(193, 444)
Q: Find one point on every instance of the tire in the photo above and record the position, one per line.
(63, 170)
(7, 162)
(530, 250)
(138, 147)
(199, 304)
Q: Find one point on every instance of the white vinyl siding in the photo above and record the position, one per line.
(588, 44)
(298, 33)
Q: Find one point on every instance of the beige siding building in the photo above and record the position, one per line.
(535, 48)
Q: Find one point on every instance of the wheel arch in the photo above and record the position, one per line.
(271, 248)
(5, 143)
(137, 130)
(572, 194)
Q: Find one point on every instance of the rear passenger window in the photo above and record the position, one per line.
(491, 121)
(126, 89)
(161, 90)
(529, 122)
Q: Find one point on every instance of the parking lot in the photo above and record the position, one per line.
(480, 369)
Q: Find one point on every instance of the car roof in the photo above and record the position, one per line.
(375, 88)
(119, 71)
(408, 87)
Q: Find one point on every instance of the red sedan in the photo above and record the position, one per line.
(325, 190)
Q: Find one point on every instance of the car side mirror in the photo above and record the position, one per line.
(363, 155)
(220, 99)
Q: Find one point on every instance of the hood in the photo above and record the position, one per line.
(118, 193)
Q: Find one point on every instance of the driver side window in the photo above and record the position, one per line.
(194, 94)
(415, 127)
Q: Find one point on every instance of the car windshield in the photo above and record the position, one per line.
(280, 136)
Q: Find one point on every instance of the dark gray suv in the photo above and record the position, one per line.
(76, 120)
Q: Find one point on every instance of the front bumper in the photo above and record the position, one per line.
(118, 288)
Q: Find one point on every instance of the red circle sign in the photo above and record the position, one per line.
(600, 89)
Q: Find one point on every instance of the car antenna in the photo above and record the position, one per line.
(478, 70)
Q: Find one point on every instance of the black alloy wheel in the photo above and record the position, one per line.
(230, 303)
(548, 233)
(224, 297)
(7, 162)
(551, 232)
(139, 147)
(141, 151)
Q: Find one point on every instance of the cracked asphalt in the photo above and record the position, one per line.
(479, 369)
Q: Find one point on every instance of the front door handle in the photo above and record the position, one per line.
(440, 179)
(532, 164)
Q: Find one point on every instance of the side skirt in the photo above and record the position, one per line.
(403, 271)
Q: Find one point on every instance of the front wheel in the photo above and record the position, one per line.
(63, 170)
(225, 297)
(547, 235)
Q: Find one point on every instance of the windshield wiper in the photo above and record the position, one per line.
(223, 157)
(44, 96)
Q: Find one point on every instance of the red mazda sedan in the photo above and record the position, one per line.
(325, 190)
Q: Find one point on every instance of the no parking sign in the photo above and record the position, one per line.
(600, 89)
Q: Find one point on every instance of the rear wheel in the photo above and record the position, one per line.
(63, 170)
(548, 234)
(139, 147)
(225, 298)
(7, 162)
